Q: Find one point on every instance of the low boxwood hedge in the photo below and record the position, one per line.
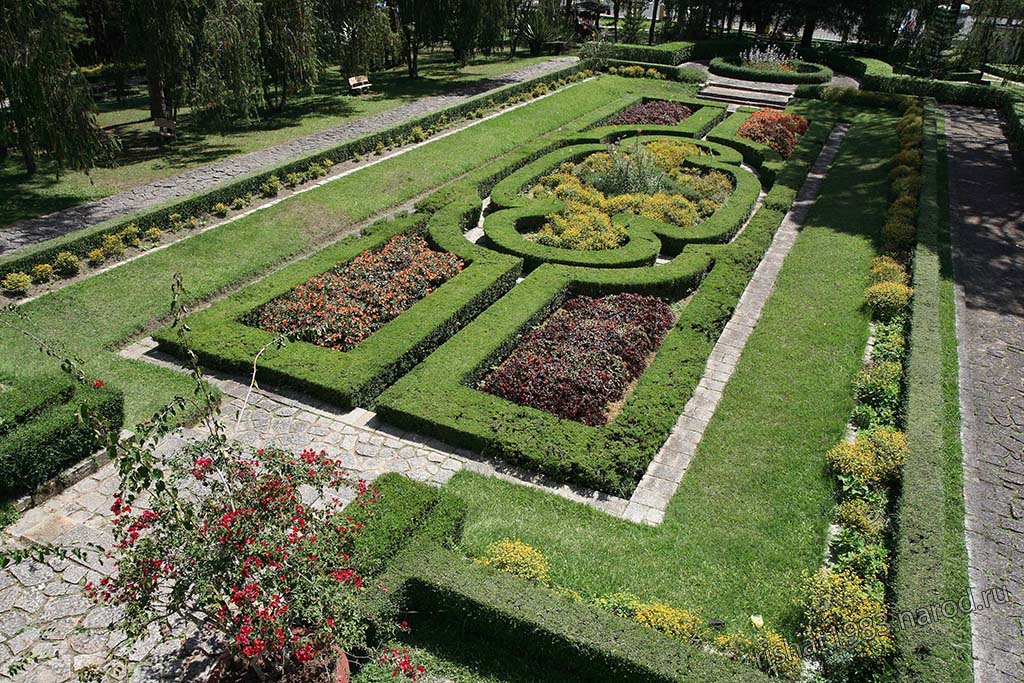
(682, 74)
(22, 399)
(671, 54)
(443, 588)
(357, 376)
(55, 437)
(804, 72)
(81, 242)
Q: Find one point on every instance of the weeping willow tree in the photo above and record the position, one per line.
(356, 35)
(226, 77)
(45, 103)
(288, 47)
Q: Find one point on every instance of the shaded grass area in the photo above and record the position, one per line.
(92, 318)
(144, 158)
(752, 512)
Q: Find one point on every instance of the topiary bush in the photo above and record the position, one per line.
(66, 264)
(888, 300)
(16, 284)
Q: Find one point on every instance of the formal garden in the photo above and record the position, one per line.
(632, 385)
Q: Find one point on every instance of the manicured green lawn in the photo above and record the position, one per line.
(95, 317)
(144, 159)
(751, 513)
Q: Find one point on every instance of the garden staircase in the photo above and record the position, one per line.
(747, 93)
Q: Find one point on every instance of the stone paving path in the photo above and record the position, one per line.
(987, 219)
(48, 625)
(34, 230)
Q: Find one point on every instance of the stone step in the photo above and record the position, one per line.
(744, 97)
(753, 86)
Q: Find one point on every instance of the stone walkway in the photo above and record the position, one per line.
(36, 230)
(987, 218)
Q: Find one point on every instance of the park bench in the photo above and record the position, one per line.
(166, 127)
(359, 84)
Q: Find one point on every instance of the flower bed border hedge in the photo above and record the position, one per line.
(55, 438)
(681, 74)
(671, 54)
(730, 67)
(644, 244)
(81, 242)
(354, 377)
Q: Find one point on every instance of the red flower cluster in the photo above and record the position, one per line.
(347, 304)
(403, 664)
(584, 356)
(777, 129)
(245, 552)
(652, 112)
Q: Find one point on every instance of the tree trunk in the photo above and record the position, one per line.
(28, 152)
(414, 61)
(157, 103)
(654, 22)
(615, 21)
(810, 23)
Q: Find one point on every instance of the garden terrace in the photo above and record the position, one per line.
(735, 533)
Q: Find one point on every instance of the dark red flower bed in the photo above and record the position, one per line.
(654, 112)
(777, 129)
(584, 356)
(350, 302)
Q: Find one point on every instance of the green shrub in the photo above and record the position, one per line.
(153, 235)
(890, 344)
(879, 387)
(130, 235)
(518, 559)
(66, 264)
(220, 209)
(239, 203)
(864, 517)
(418, 134)
(315, 170)
(898, 234)
(767, 650)
(96, 257)
(42, 273)
(888, 300)
(270, 187)
(112, 247)
(888, 269)
(16, 284)
(293, 179)
(848, 625)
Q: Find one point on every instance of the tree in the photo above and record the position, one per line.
(462, 26)
(45, 102)
(288, 48)
(226, 77)
(421, 22)
(163, 34)
(357, 35)
(654, 22)
(632, 24)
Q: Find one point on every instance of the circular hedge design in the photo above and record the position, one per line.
(803, 73)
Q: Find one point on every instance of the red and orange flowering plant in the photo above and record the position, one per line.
(253, 546)
(779, 130)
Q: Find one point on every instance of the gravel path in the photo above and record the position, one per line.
(987, 219)
(34, 230)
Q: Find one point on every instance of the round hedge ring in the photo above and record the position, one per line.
(504, 230)
(801, 74)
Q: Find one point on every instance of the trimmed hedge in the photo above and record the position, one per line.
(55, 437)
(923, 649)
(357, 376)
(806, 72)
(81, 242)
(682, 74)
(671, 54)
(590, 644)
(24, 398)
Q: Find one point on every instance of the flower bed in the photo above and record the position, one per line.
(779, 130)
(347, 304)
(652, 112)
(584, 357)
(652, 180)
(787, 70)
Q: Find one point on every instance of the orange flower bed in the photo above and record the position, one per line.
(779, 130)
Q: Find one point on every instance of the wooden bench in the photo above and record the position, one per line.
(359, 84)
(166, 127)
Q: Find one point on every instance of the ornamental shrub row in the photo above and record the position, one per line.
(82, 242)
(671, 54)
(44, 433)
(630, 69)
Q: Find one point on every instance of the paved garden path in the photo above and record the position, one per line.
(31, 231)
(987, 218)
